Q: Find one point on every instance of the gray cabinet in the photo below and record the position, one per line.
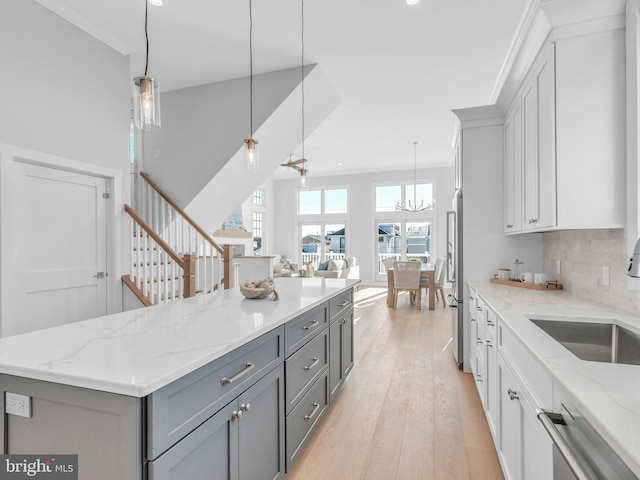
(340, 350)
(244, 416)
(103, 429)
(340, 340)
(178, 408)
(244, 440)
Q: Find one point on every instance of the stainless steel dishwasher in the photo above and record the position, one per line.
(579, 451)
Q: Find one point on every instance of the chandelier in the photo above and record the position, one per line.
(408, 207)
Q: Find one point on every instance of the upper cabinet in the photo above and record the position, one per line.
(564, 135)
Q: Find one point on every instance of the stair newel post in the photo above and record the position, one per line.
(189, 275)
(228, 266)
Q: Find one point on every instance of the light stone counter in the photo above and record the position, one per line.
(608, 395)
(137, 352)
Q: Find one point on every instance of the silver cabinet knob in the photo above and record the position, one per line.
(246, 408)
(236, 415)
(513, 395)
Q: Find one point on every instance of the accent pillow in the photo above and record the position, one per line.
(277, 268)
(324, 265)
(336, 264)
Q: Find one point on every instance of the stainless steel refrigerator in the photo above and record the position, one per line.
(455, 277)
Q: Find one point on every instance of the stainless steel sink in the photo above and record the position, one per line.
(597, 342)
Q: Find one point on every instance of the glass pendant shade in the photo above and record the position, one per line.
(303, 179)
(251, 157)
(146, 103)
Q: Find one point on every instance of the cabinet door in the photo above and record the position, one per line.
(261, 452)
(513, 170)
(210, 452)
(538, 147)
(340, 351)
(347, 344)
(510, 422)
(491, 386)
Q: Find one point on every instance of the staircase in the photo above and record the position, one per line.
(172, 257)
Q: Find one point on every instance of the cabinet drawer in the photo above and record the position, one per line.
(178, 408)
(305, 366)
(533, 377)
(302, 329)
(339, 303)
(304, 417)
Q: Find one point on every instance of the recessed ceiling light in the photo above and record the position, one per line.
(340, 164)
(413, 2)
(158, 3)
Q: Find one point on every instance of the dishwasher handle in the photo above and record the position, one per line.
(549, 421)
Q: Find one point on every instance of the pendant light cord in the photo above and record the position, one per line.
(302, 79)
(251, 68)
(146, 35)
(415, 174)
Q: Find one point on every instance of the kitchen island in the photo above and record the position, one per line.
(148, 389)
(607, 395)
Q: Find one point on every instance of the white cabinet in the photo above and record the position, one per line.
(564, 137)
(538, 149)
(525, 450)
(529, 169)
(513, 169)
(511, 385)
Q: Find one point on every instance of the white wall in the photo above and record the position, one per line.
(361, 233)
(64, 94)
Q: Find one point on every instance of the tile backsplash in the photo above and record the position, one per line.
(582, 255)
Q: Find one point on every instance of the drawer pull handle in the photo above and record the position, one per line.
(344, 303)
(248, 367)
(313, 364)
(313, 324)
(513, 395)
(488, 343)
(316, 406)
(490, 323)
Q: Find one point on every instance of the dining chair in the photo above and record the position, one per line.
(438, 280)
(406, 277)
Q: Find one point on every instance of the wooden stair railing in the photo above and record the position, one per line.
(183, 234)
(172, 257)
(147, 282)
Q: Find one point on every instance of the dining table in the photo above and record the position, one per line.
(427, 270)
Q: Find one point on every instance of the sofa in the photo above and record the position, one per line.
(347, 268)
(283, 267)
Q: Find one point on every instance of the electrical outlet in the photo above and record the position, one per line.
(605, 276)
(16, 404)
(557, 267)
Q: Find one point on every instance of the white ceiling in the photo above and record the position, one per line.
(398, 69)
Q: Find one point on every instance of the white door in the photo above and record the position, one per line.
(60, 248)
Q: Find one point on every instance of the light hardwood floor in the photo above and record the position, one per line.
(405, 412)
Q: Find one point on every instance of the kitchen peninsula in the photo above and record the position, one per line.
(215, 382)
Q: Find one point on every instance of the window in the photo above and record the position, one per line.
(258, 197)
(322, 224)
(258, 223)
(388, 196)
(326, 201)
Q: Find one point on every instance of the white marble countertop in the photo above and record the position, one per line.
(608, 395)
(137, 352)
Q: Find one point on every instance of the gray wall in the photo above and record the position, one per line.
(63, 92)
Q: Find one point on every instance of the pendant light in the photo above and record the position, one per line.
(250, 144)
(303, 170)
(415, 207)
(146, 97)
